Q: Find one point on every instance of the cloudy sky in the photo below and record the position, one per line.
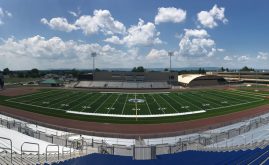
(127, 33)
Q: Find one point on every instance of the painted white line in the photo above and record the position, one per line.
(233, 98)
(137, 93)
(102, 103)
(134, 116)
(61, 100)
(112, 106)
(252, 93)
(86, 100)
(30, 95)
(124, 104)
(147, 104)
(185, 100)
(234, 105)
(157, 104)
(94, 101)
(35, 105)
(168, 103)
(240, 94)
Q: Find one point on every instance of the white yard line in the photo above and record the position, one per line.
(212, 102)
(93, 102)
(114, 103)
(35, 105)
(204, 101)
(236, 93)
(213, 95)
(189, 102)
(124, 104)
(69, 97)
(137, 93)
(147, 104)
(235, 105)
(251, 93)
(36, 98)
(53, 96)
(30, 95)
(168, 103)
(227, 96)
(86, 100)
(80, 98)
(102, 104)
(157, 103)
(178, 102)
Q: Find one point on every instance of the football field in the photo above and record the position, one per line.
(138, 105)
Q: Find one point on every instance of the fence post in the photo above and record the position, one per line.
(134, 152)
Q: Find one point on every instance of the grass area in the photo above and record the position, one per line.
(212, 101)
(19, 80)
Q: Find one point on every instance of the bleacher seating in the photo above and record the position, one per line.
(256, 156)
(122, 85)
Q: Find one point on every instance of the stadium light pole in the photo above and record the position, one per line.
(93, 54)
(170, 54)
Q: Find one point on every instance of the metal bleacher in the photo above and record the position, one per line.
(10, 154)
(123, 85)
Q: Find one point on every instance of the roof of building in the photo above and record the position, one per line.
(187, 78)
(50, 81)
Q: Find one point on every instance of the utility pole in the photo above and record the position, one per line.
(93, 54)
(170, 54)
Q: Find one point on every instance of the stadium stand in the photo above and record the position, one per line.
(122, 85)
(256, 156)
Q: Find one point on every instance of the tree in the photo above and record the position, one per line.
(166, 69)
(222, 69)
(246, 69)
(74, 72)
(34, 73)
(138, 69)
(6, 71)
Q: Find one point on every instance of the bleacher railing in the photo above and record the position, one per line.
(53, 152)
(200, 141)
(23, 151)
(8, 148)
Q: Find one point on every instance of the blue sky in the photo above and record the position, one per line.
(127, 33)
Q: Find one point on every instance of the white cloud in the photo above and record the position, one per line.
(170, 14)
(101, 20)
(262, 55)
(74, 14)
(155, 54)
(59, 23)
(54, 52)
(227, 58)
(142, 34)
(4, 14)
(197, 43)
(243, 58)
(114, 40)
(209, 18)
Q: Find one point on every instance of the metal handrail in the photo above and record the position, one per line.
(70, 147)
(58, 151)
(25, 151)
(5, 148)
(83, 145)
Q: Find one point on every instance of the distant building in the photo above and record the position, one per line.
(198, 80)
(51, 83)
(136, 76)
